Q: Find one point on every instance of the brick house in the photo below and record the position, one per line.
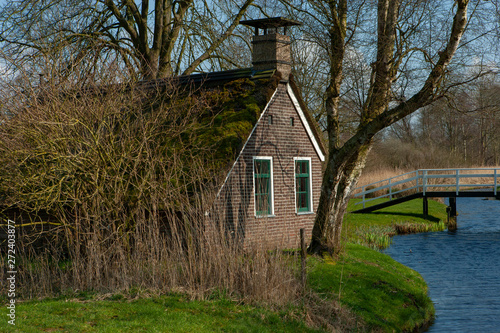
(273, 187)
(266, 145)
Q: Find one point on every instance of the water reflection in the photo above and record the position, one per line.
(461, 268)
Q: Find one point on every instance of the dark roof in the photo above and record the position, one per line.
(213, 78)
(246, 93)
(202, 79)
(235, 100)
(272, 22)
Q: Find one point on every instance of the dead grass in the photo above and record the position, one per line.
(373, 176)
(128, 179)
(330, 315)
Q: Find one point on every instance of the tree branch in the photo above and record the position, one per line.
(220, 40)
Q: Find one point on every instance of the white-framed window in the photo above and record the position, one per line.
(263, 186)
(303, 185)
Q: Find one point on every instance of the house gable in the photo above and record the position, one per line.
(306, 122)
(284, 136)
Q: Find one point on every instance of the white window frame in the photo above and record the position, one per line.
(308, 159)
(270, 158)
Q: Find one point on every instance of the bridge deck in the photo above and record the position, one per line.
(440, 194)
(453, 183)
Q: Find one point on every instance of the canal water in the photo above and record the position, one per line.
(461, 268)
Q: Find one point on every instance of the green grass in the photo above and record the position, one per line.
(374, 229)
(156, 314)
(386, 294)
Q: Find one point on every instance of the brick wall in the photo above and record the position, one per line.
(283, 142)
(272, 51)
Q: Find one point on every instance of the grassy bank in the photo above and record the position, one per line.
(375, 229)
(362, 290)
(174, 313)
(384, 294)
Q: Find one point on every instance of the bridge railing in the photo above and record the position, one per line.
(426, 180)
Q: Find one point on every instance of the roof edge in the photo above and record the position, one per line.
(307, 114)
(246, 142)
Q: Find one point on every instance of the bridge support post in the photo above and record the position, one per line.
(452, 214)
(453, 207)
(425, 207)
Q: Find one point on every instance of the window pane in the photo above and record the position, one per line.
(302, 186)
(262, 180)
(262, 202)
(302, 201)
(303, 167)
(262, 186)
(262, 168)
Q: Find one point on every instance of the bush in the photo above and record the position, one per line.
(125, 175)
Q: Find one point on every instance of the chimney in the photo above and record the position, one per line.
(271, 50)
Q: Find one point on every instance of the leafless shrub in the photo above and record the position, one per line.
(330, 315)
(127, 175)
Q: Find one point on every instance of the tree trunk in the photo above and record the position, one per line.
(341, 175)
(345, 163)
(149, 67)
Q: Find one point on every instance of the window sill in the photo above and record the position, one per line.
(304, 213)
(264, 216)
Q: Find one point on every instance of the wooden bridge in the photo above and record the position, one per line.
(431, 183)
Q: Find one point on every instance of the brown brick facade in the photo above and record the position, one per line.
(283, 141)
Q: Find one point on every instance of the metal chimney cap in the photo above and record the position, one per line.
(270, 23)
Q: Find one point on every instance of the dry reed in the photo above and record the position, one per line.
(125, 175)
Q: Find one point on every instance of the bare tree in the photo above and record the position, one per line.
(466, 123)
(405, 33)
(147, 40)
